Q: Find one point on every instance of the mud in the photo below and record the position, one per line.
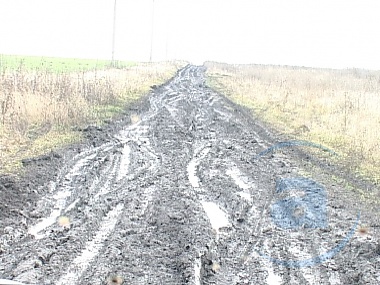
(172, 195)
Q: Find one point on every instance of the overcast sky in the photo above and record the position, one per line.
(321, 33)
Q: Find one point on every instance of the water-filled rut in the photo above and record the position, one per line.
(175, 197)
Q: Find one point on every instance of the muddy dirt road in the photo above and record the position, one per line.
(180, 196)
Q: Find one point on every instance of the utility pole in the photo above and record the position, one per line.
(151, 36)
(113, 34)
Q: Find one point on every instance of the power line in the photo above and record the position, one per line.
(113, 34)
(151, 36)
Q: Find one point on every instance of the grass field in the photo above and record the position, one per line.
(335, 108)
(42, 105)
(55, 64)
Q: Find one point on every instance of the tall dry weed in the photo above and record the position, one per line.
(38, 103)
(337, 108)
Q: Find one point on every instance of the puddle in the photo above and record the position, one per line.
(236, 175)
(272, 278)
(197, 270)
(238, 178)
(192, 170)
(124, 162)
(218, 218)
(192, 167)
(45, 223)
(245, 195)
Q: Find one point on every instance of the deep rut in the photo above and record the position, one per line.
(175, 198)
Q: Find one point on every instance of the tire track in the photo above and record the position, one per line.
(92, 248)
(109, 164)
(175, 198)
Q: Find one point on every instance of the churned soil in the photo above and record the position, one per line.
(175, 191)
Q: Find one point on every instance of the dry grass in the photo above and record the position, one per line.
(336, 108)
(39, 109)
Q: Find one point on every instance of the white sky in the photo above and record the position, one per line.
(321, 33)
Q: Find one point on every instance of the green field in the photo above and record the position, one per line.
(56, 64)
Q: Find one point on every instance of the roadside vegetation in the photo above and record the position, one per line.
(44, 101)
(335, 108)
